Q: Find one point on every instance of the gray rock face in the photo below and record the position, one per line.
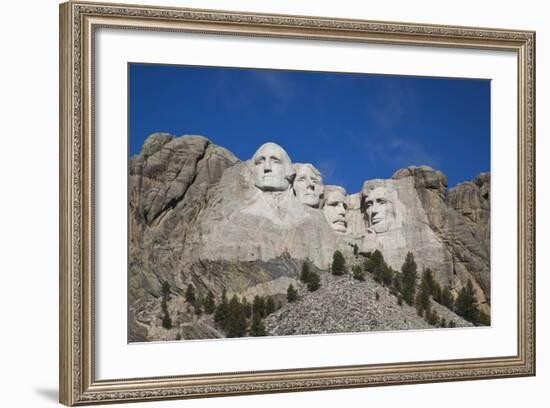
(467, 251)
(472, 199)
(243, 223)
(410, 212)
(411, 231)
(198, 215)
(169, 182)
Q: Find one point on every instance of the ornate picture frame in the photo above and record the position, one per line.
(79, 22)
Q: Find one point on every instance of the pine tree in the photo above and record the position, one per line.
(314, 282)
(222, 309)
(375, 260)
(209, 303)
(408, 271)
(387, 274)
(304, 276)
(423, 298)
(338, 263)
(190, 293)
(378, 272)
(396, 285)
(166, 319)
(466, 303)
(291, 294)
(258, 306)
(236, 319)
(199, 305)
(247, 307)
(434, 289)
(358, 273)
(447, 298)
(428, 280)
(257, 327)
(270, 306)
(432, 317)
(165, 290)
(438, 293)
(376, 265)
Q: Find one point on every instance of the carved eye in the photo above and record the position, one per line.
(368, 204)
(259, 160)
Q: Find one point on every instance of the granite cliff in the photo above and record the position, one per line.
(200, 216)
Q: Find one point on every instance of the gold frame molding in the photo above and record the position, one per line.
(78, 22)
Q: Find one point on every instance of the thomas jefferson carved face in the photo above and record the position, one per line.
(335, 208)
(308, 184)
(272, 168)
(380, 210)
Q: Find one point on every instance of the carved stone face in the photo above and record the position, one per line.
(308, 185)
(335, 210)
(380, 210)
(272, 168)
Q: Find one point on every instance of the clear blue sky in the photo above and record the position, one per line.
(352, 127)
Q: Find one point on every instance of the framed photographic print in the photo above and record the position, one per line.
(258, 203)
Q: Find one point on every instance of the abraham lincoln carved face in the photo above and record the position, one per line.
(380, 209)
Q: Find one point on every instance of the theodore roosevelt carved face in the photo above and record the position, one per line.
(308, 184)
(335, 208)
(272, 168)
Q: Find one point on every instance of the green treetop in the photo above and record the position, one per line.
(408, 273)
(338, 263)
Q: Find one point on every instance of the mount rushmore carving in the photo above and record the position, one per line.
(199, 215)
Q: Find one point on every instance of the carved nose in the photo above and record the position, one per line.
(267, 166)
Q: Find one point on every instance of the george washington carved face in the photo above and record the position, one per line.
(272, 168)
(308, 184)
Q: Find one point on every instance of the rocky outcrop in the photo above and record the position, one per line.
(169, 182)
(472, 199)
(200, 216)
